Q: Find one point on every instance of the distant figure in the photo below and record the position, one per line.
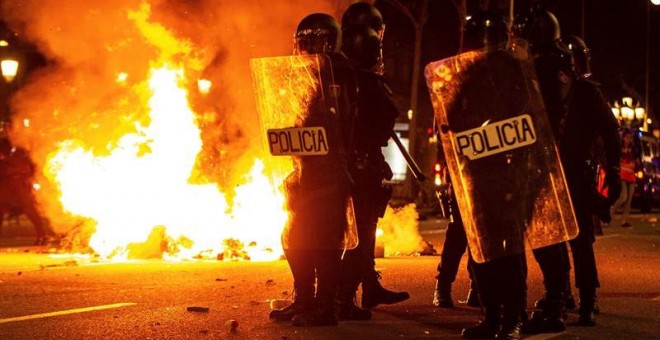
(16, 174)
(628, 164)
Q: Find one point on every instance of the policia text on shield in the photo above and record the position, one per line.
(494, 138)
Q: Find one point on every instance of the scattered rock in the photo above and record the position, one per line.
(198, 309)
(231, 325)
(270, 282)
(19, 273)
(220, 280)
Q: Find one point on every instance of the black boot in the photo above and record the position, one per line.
(348, 311)
(298, 306)
(473, 298)
(346, 308)
(550, 318)
(486, 328)
(587, 307)
(373, 294)
(322, 314)
(442, 295)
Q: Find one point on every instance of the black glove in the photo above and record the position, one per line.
(613, 184)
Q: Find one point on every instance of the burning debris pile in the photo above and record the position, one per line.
(399, 231)
(143, 127)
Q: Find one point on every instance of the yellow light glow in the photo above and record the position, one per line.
(640, 112)
(4, 43)
(627, 101)
(410, 114)
(9, 69)
(616, 112)
(26, 123)
(122, 77)
(204, 86)
(438, 180)
(131, 195)
(640, 174)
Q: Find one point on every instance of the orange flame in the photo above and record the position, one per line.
(131, 191)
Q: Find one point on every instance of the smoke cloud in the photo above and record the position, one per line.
(89, 45)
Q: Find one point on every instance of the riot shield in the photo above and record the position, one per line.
(305, 157)
(500, 151)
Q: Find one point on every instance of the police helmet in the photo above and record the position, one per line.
(540, 28)
(361, 44)
(555, 72)
(581, 55)
(362, 13)
(317, 33)
(484, 29)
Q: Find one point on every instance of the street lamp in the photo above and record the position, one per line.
(9, 69)
(630, 114)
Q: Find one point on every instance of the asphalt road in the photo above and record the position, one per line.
(42, 297)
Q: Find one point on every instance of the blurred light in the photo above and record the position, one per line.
(9, 69)
(437, 167)
(4, 43)
(616, 112)
(379, 232)
(639, 113)
(26, 123)
(204, 86)
(410, 114)
(627, 101)
(649, 121)
(122, 77)
(655, 2)
(640, 174)
(36, 186)
(627, 113)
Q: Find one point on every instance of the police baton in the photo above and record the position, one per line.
(411, 162)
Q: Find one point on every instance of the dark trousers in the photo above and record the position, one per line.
(554, 263)
(359, 261)
(308, 265)
(453, 248)
(582, 247)
(502, 287)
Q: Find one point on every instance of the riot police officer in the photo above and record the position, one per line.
(318, 190)
(579, 115)
(374, 124)
(362, 28)
(500, 281)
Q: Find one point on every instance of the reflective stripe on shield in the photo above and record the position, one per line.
(304, 156)
(500, 151)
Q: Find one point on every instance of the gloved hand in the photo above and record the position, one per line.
(613, 184)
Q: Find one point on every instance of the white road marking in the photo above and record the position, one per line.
(68, 311)
(607, 236)
(545, 336)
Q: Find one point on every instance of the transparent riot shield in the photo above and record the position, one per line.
(303, 139)
(501, 153)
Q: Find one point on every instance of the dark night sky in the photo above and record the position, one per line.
(615, 31)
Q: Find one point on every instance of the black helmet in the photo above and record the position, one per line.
(362, 46)
(555, 72)
(484, 29)
(317, 33)
(362, 13)
(540, 28)
(581, 55)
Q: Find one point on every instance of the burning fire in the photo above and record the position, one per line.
(120, 143)
(145, 183)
